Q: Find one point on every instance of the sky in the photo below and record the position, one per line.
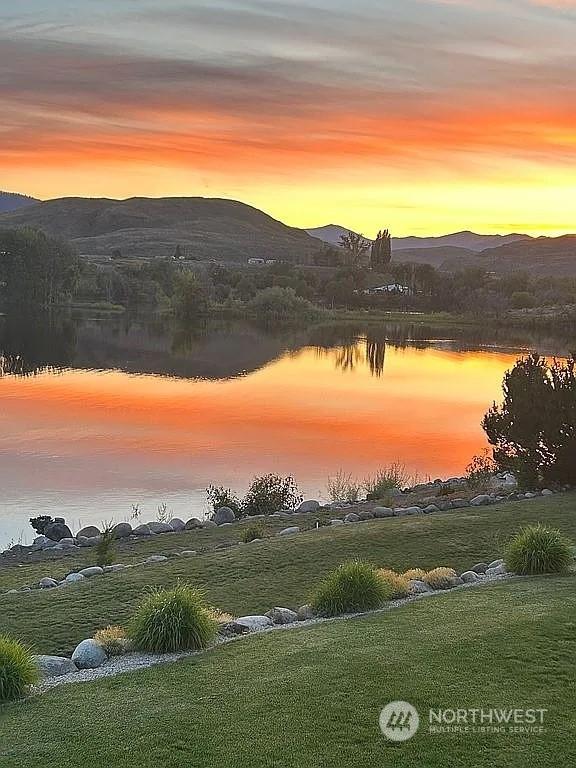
(423, 116)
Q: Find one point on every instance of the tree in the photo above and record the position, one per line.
(355, 246)
(381, 252)
(190, 300)
(534, 430)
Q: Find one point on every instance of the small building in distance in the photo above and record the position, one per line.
(392, 288)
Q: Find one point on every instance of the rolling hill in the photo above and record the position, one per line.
(12, 201)
(224, 230)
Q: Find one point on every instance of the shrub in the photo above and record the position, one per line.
(113, 640)
(480, 470)
(538, 549)
(271, 493)
(440, 578)
(342, 487)
(277, 305)
(398, 583)
(396, 475)
(252, 532)
(106, 547)
(353, 587)
(414, 574)
(39, 523)
(18, 669)
(223, 497)
(170, 620)
(220, 617)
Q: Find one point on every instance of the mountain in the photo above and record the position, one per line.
(11, 201)
(330, 234)
(554, 256)
(437, 256)
(223, 230)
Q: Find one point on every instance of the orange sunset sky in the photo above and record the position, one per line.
(425, 116)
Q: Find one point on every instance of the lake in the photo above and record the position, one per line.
(101, 414)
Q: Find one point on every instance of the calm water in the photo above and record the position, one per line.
(97, 415)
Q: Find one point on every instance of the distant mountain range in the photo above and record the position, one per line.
(223, 230)
(469, 240)
(11, 201)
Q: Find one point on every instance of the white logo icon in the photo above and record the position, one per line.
(399, 721)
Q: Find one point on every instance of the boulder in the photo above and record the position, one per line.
(382, 512)
(43, 542)
(89, 655)
(209, 524)
(88, 532)
(54, 666)
(351, 517)
(122, 531)
(142, 530)
(498, 570)
(366, 515)
(156, 559)
(469, 577)
(92, 570)
(418, 587)
(156, 526)
(224, 515)
(252, 623)
(530, 495)
(82, 541)
(480, 501)
(58, 530)
(459, 503)
(305, 613)
(547, 492)
(47, 583)
(480, 568)
(192, 524)
(309, 506)
(289, 531)
(405, 511)
(282, 616)
(430, 509)
(177, 525)
(336, 521)
(73, 578)
(496, 563)
(67, 543)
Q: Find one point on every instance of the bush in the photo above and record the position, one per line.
(276, 305)
(170, 620)
(271, 493)
(396, 475)
(440, 578)
(223, 497)
(343, 487)
(414, 574)
(398, 583)
(106, 547)
(39, 523)
(538, 549)
(113, 640)
(253, 532)
(190, 300)
(18, 669)
(480, 470)
(353, 587)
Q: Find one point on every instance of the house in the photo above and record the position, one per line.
(392, 288)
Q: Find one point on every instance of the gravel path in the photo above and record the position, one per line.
(132, 662)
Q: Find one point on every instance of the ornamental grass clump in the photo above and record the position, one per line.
(414, 574)
(538, 549)
(113, 640)
(397, 582)
(18, 670)
(440, 578)
(169, 620)
(352, 588)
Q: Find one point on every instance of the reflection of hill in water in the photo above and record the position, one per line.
(220, 349)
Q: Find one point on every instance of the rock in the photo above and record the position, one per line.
(351, 517)
(54, 666)
(223, 515)
(177, 525)
(480, 568)
(469, 577)
(418, 587)
(382, 512)
(93, 570)
(158, 527)
(89, 655)
(405, 511)
(73, 578)
(47, 583)
(88, 532)
(289, 531)
(188, 553)
(43, 542)
(156, 559)
(309, 506)
(82, 541)
(282, 616)
(58, 530)
(65, 544)
(547, 492)
(252, 623)
(192, 524)
(480, 501)
(336, 522)
(530, 495)
(142, 530)
(499, 570)
(209, 524)
(459, 503)
(230, 629)
(305, 613)
(122, 531)
(366, 515)
(496, 563)
(430, 509)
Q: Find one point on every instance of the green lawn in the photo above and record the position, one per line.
(254, 577)
(310, 697)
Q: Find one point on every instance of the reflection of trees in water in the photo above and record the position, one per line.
(30, 345)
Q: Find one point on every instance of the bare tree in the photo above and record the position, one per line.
(356, 247)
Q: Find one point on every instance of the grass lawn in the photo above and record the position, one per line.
(311, 697)
(254, 577)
